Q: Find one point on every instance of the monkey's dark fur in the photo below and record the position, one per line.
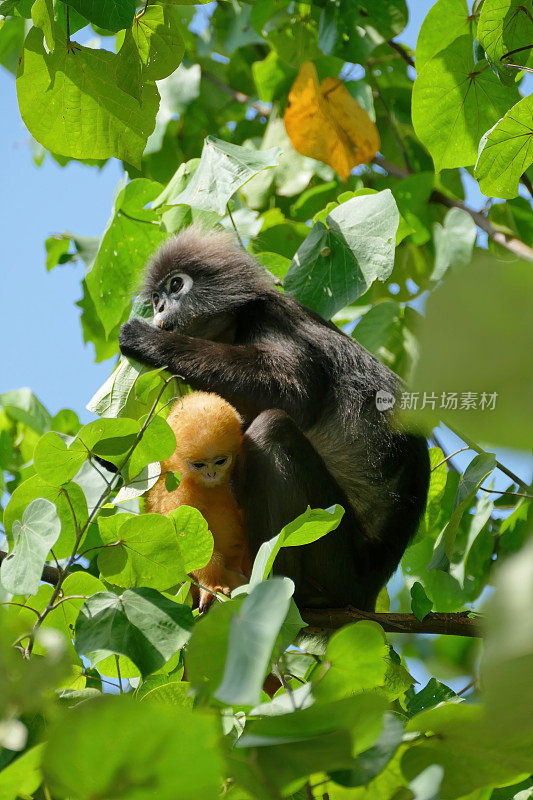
(307, 392)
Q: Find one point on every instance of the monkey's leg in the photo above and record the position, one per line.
(215, 578)
(279, 475)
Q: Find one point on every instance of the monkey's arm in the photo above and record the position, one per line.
(263, 375)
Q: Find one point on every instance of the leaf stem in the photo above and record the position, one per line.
(234, 226)
(121, 690)
(480, 450)
(444, 460)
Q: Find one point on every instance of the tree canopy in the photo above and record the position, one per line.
(340, 159)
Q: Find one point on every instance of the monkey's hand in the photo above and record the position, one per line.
(140, 340)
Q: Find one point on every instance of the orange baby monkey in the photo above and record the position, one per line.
(208, 439)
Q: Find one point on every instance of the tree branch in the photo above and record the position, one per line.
(510, 243)
(325, 620)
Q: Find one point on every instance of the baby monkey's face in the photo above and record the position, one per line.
(211, 471)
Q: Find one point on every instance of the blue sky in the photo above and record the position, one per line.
(39, 324)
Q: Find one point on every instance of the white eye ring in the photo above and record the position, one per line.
(187, 282)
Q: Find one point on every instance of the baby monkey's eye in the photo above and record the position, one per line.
(221, 461)
(198, 464)
(176, 284)
(155, 299)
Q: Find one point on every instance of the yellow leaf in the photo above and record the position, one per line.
(323, 121)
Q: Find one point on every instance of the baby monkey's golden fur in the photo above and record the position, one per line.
(208, 439)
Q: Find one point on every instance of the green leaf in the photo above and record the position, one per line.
(471, 751)
(129, 69)
(145, 553)
(308, 527)
(479, 468)
(126, 246)
(421, 605)
(508, 657)
(506, 151)
(121, 395)
(223, 169)
(54, 461)
(172, 481)
(113, 439)
(155, 755)
(251, 640)
(172, 693)
(69, 501)
(20, 572)
(42, 14)
(195, 540)
(71, 104)
(273, 77)
(355, 660)
(437, 485)
(137, 486)
(412, 197)
(57, 251)
(292, 625)
(140, 624)
(453, 94)
(454, 242)
(113, 15)
(445, 22)
(374, 760)
(325, 737)
(157, 34)
(158, 443)
(11, 42)
(361, 714)
(22, 777)
(23, 406)
(377, 327)
(433, 693)
(490, 314)
(205, 657)
(290, 176)
(506, 25)
(335, 266)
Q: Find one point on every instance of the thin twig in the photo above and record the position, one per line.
(69, 597)
(500, 491)
(480, 450)
(467, 687)
(511, 243)
(234, 226)
(444, 460)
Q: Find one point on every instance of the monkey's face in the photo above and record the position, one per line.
(167, 297)
(211, 471)
(188, 304)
